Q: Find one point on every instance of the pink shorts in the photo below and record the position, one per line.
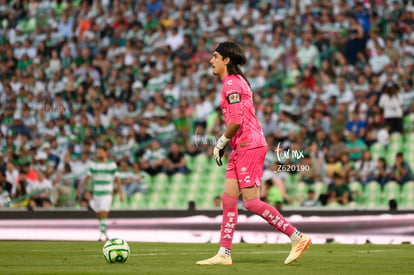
(247, 166)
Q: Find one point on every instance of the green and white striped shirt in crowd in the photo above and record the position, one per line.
(103, 176)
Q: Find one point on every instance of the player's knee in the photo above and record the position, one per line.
(229, 201)
(253, 205)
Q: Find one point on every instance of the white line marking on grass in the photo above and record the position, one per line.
(202, 253)
(379, 251)
(66, 250)
(171, 254)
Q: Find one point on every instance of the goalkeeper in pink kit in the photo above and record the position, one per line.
(245, 167)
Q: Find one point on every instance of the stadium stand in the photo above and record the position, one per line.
(79, 74)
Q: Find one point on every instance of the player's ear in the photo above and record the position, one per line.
(226, 60)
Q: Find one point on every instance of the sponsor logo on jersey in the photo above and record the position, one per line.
(243, 171)
(233, 98)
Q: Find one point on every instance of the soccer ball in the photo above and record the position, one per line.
(116, 251)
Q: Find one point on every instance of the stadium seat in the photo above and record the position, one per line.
(216, 180)
(357, 192)
(408, 122)
(377, 151)
(170, 202)
(372, 195)
(179, 188)
(396, 138)
(373, 203)
(352, 205)
(117, 204)
(409, 136)
(409, 156)
(211, 186)
(396, 145)
(391, 191)
(301, 189)
(158, 182)
(179, 179)
(158, 201)
(408, 187)
(409, 204)
(217, 173)
(181, 201)
(218, 189)
(372, 186)
(196, 177)
(319, 187)
(292, 183)
(390, 156)
(200, 200)
(407, 195)
(192, 187)
(408, 148)
(138, 201)
(201, 164)
(190, 160)
(333, 205)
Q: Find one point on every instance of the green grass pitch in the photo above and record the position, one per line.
(46, 257)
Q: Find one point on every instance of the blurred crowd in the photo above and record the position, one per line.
(331, 79)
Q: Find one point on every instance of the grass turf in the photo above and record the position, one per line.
(37, 257)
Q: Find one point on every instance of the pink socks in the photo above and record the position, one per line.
(266, 211)
(228, 224)
(270, 214)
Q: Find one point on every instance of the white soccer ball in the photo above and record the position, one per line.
(116, 251)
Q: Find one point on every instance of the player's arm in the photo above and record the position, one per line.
(83, 183)
(119, 186)
(235, 111)
(230, 132)
(345, 198)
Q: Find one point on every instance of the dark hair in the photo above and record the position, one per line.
(102, 147)
(383, 160)
(390, 88)
(336, 175)
(67, 168)
(237, 57)
(191, 205)
(393, 204)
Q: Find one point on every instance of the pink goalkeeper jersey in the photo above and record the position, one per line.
(237, 105)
